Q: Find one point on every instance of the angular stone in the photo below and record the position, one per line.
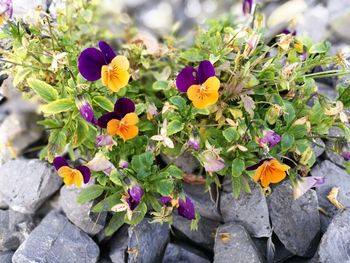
(250, 210)
(176, 254)
(339, 11)
(80, 214)
(318, 147)
(202, 201)
(56, 240)
(26, 184)
(119, 246)
(233, 244)
(330, 154)
(335, 177)
(205, 234)
(295, 222)
(6, 257)
(334, 246)
(147, 242)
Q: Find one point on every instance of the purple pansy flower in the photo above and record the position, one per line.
(194, 143)
(86, 110)
(190, 76)
(6, 10)
(247, 6)
(122, 107)
(60, 162)
(135, 196)
(270, 138)
(91, 61)
(306, 183)
(185, 208)
(346, 156)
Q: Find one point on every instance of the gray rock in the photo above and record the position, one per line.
(119, 246)
(6, 257)
(205, 234)
(233, 244)
(335, 243)
(295, 222)
(147, 242)
(186, 162)
(56, 240)
(26, 184)
(80, 214)
(327, 91)
(335, 177)
(339, 19)
(318, 147)
(250, 210)
(202, 201)
(178, 254)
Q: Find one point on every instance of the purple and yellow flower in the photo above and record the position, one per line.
(201, 85)
(101, 164)
(270, 139)
(78, 175)
(306, 183)
(6, 10)
(103, 63)
(247, 6)
(346, 156)
(185, 208)
(268, 171)
(122, 121)
(86, 110)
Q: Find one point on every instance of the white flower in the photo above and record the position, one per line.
(162, 137)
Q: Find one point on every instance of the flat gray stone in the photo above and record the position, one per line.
(26, 184)
(295, 222)
(205, 234)
(233, 244)
(6, 257)
(119, 245)
(56, 240)
(179, 254)
(335, 243)
(318, 147)
(250, 210)
(335, 177)
(80, 214)
(147, 242)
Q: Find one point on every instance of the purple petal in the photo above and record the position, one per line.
(87, 113)
(104, 140)
(124, 106)
(247, 6)
(165, 199)
(85, 171)
(256, 166)
(271, 138)
(205, 71)
(59, 161)
(90, 63)
(105, 118)
(136, 193)
(306, 183)
(107, 51)
(123, 164)
(186, 78)
(346, 156)
(186, 209)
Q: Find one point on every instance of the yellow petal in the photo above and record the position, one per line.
(193, 92)
(128, 132)
(259, 171)
(115, 75)
(212, 84)
(78, 179)
(277, 165)
(65, 171)
(112, 127)
(121, 62)
(130, 119)
(276, 176)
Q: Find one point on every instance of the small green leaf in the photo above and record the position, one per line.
(160, 85)
(57, 143)
(142, 164)
(81, 132)
(58, 106)
(115, 177)
(178, 101)
(174, 171)
(230, 134)
(137, 214)
(44, 90)
(347, 167)
(115, 223)
(89, 193)
(238, 166)
(21, 75)
(175, 126)
(236, 186)
(287, 142)
(165, 187)
(107, 204)
(290, 112)
(319, 48)
(104, 103)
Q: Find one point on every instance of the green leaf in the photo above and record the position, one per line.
(57, 143)
(290, 112)
(299, 131)
(230, 134)
(160, 85)
(287, 142)
(21, 75)
(115, 223)
(107, 204)
(174, 171)
(58, 106)
(44, 90)
(104, 103)
(175, 126)
(137, 214)
(319, 48)
(236, 186)
(89, 193)
(178, 101)
(238, 166)
(81, 132)
(142, 164)
(347, 167)
(165, 187)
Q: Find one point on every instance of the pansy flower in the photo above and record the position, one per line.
(94, 64)
(78, 175)
(101, 164)
(306, 183)
(268, 171)
(6, 10)
(122, 121)
(201, 85)
(85, 110)
(185, 208)
(346, 156)
(247, 6)
(270, 139)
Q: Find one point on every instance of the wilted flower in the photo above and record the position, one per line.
(270, 139)
(6, 10)
(58, 58)
(85, 109)
(123, 164)
(306, 183)
(122, 121)
(201, 85)
(268, 171)
(194, 143)
(78, 175)
(247, 6)
(185, 208)
(284, 41)
(346, 156)
(151, 111)
(104, 140)
(101, 164)
(212, 161)
(94, 64)
(337, 110)
(163, 137)
(251, 45)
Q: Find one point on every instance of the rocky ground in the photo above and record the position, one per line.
(41, 222)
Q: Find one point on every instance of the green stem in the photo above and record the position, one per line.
(23, 65)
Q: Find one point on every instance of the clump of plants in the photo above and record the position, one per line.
(242, 103)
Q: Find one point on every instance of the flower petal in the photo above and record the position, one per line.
(124, 106)
(257, 165)
(165, 199)
(186, 209)
(105, 118)
(86, 173)
(59, 161)
(130, 119)
(212, 84)
(107, 51)
(205, 71)
(136, 193)
(90, 63)
(186, 78)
